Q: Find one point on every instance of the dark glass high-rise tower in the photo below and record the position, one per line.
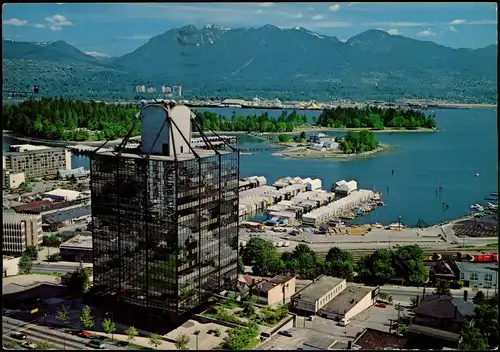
(165, 216)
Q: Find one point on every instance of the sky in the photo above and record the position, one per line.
(116, 29)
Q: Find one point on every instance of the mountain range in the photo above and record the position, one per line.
(269, 61)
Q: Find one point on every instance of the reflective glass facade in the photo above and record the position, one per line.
(165, 231)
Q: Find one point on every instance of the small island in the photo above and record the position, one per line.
(354, 144)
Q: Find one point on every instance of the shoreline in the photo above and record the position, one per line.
(304, 152)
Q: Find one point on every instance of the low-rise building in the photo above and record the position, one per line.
(63, 195)
(371, 339)
(440, 319)
(78, 173)
(19, 231)
(276, 290)
(13, 179)
(350, 302)
(77, 249)
(10, 266)
(477, 275)
(36, 161)
(442, 271)
(317, 294)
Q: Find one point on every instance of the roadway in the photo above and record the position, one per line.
(57, 267)
(404, 294)
(36, 333)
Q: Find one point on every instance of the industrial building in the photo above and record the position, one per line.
(19, 231)
(77, 249)
(350, 302)
(317, 294)
(322, 215)
(36, 161)
(165, 216)
(64, 195)
(334, 298)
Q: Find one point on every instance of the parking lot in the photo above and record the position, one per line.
(374, 318)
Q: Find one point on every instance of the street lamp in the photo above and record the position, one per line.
(112, 320)
(399, 223)
(196, 333)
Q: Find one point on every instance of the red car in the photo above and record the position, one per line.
(381, 305)
(85, 334)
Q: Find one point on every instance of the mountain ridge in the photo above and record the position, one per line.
(295, 60)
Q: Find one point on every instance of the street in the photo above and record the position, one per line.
(57, 267)
(403, 294)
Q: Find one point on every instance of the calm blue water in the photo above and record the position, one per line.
(422, 162)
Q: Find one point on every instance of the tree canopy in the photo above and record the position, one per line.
(375, 118)
(406, 262)
(70, 120)
(358, 142)
(286, 122)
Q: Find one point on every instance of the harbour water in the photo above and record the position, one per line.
(422, 162)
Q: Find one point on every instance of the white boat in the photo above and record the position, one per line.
(492, 206)
(477, 174)
(477, 207)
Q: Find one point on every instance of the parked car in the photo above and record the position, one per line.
(18, 336)
(344, 322)
(381, 305)
(85, 334)
(97, 344)
(287, 333)
(122, 343)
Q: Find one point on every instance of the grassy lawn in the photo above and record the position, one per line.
(49, 274)
(492, 245)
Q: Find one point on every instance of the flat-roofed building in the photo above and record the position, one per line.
(13, 179)
(37, 162)
(317, 294)
(350, 302)
(62, 195)
(77, 249)
(19, 231)
(477, 275)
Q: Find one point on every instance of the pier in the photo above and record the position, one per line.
(250, 150)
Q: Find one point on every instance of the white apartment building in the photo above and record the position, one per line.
(21, 230)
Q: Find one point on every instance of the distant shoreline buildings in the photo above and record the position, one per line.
(169, 91)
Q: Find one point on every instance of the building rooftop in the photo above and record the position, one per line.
(44, 150)
(44, 206)
(67, 214)
(347, 299)
(78, 242)
(203, 153)
(318, 288)
(428, 331)
(320, 342)
(445, 307)
(371, 339)
(484, 268)
(64, 193)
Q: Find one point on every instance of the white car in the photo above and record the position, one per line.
(344, 322)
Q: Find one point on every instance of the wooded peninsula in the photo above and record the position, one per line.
(73, 120)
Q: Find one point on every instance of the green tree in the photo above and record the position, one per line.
(300, 249)
(479, 298)
(409, 263)
(79, 280)
(32, 251)
(302, 135)
(240, 338)
(86, 319)
(73, 179)
(473, 339)
(182, 342)
(443, 288)
(108, 326)
(241, 266)
(339, 263)
(131, 333)
(155, 340)
(248, 308)
(63, 315)
(377, 267)
(25, 263)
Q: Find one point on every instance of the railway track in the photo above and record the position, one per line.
(358, 253)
